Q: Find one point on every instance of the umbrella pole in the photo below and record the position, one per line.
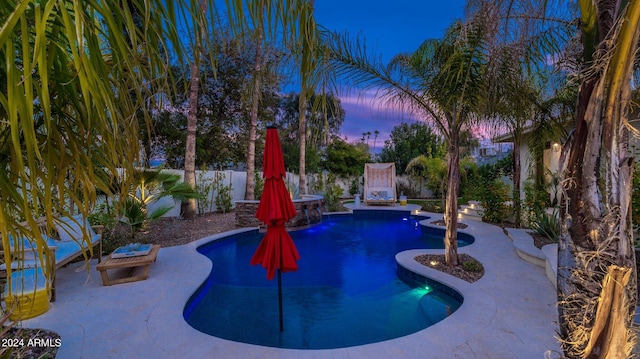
(280, 299)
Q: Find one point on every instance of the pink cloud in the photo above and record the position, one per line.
(367, 113)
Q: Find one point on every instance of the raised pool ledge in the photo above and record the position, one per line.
(309, 210)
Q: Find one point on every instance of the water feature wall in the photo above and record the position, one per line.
(309, 212)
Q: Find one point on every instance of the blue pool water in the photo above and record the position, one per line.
(346, 291)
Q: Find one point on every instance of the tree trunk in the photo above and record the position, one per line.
(596, 261)
(253, 124)
(188, 207)
(517, 202)
(302, 116)
(451, 207)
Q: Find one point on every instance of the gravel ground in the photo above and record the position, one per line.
(170, 232)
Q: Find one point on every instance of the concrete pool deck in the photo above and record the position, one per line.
(509, 313)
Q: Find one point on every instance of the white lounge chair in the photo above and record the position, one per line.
(380, 184)
(67, 244)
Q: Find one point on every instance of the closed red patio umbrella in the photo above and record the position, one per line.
(276, 252)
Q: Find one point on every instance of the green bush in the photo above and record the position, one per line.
(259, 187)
(536, 200)
(432, 206)
(332, 197)
(494, 198)
(472, 265)
(223, 193)
(103, 215)
(407, 189)
(354, 188)
(203, 187)
(331, 191)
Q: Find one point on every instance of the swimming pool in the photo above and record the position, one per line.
(345, 293)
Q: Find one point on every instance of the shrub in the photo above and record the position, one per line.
(203, 187)
(472, 265)
(407, 189)
(223, 196)
(432, 206)
(104, 216)
(494, 198)
(259, 187)
(535, 202)
(547, 225)
(354, 187)
(331, 191)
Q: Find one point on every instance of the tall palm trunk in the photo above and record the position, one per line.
(188, 206)
(451, 207)
(517, 168)
(596, 261)
(302, 113)
(253, 119)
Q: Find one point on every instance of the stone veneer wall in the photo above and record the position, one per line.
(309, 211)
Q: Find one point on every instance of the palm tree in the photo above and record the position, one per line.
(375, 138)
(73, 76)
(265, 19)
(596, 266)
(442, 80)
(596, 262)
(188, 208)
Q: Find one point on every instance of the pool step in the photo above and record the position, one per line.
(473, 210)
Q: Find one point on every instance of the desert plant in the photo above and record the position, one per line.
(547, 225)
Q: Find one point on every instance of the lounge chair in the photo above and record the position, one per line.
(380, 184)
(65, 244)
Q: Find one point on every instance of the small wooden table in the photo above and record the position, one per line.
(128, 262)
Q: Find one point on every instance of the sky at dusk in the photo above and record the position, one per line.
(389, 28)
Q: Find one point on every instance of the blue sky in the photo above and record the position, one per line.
(389, 28)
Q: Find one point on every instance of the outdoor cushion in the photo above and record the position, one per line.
(70, 229)
(27, 246)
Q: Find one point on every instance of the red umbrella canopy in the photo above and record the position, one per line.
(273, 164)
(275, 203)
(277, 250)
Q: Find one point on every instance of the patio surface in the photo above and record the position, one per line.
(509, 313)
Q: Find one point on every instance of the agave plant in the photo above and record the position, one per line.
(548, 225)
